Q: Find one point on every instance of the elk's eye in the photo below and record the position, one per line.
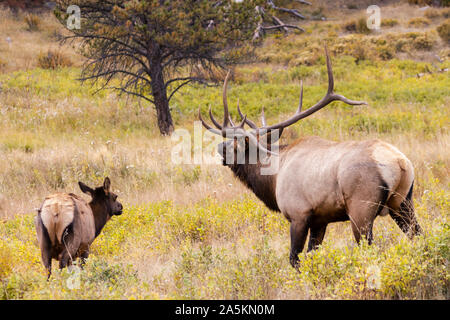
(114, 197)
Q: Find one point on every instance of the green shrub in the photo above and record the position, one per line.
(418, 22)
(389, 22)
(444, 31)
(188, 176)
(5, 261)
(425, 41)
(385, 52)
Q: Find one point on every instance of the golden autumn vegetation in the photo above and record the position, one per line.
(193, 231)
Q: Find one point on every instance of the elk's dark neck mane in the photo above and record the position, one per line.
(263, 186)
(101, 216)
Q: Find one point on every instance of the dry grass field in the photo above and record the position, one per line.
(194, 231)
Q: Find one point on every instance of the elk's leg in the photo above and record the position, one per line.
(47, 260)
(406, 221)
(84, 257)
(316, 235)
(71, 245)
(362, 229)
(366, 195)
(404, 215)
(65, 259)
(362, 213)
(45, 245)
(299, 232)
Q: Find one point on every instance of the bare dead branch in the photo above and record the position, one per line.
(294, 12)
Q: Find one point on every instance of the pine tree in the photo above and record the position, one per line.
(152, 48)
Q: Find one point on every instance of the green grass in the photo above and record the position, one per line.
(233, 250)
(97, 135)
(392, 89)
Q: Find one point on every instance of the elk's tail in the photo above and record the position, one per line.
(41, 231)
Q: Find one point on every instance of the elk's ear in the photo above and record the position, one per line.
(86, 189)
(106, 185)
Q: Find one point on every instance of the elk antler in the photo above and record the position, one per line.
(239, 131)
(229, 129)
(327, 99)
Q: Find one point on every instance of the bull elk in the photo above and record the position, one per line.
(320, 181)
(66, 225)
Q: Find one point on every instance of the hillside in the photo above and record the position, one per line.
(194, 231)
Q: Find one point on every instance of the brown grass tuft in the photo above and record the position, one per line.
(356, 26)
(53, 60)
(33, 22)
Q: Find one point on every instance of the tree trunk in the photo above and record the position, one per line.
(159, 91)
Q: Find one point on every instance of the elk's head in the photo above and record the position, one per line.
(103, 198)
(244, 146)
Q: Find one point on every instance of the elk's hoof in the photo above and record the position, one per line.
(295, 263)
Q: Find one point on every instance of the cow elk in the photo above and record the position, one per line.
(66, 225)
(320, 181)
